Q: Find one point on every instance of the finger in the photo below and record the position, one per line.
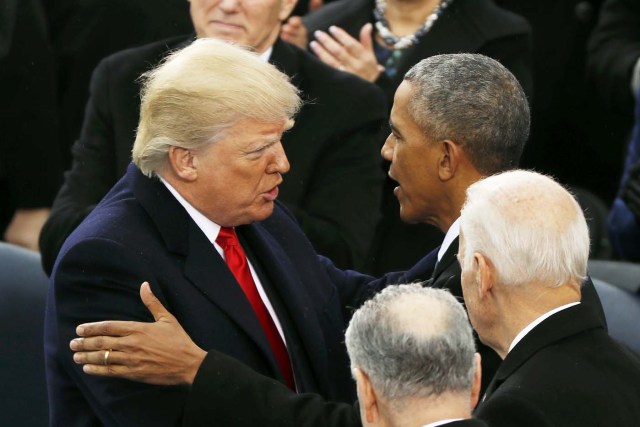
(114, 328)
(121, 371)
(365, 37)
(351, 45)
(334, 48)
(98, 358)
(153, 304)
(97, 343)
(324, 55)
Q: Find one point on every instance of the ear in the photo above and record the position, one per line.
(366, 396)
(477, 380)
(449, 160)
(286, 6)
(182, 163)
(485, 274)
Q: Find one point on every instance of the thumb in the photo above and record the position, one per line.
(365, 36)
(153, 304)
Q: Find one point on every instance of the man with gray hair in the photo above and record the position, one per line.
(410, 368)
(524, 246)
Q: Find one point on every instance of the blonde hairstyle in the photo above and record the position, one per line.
(529, 226)
(198, 92)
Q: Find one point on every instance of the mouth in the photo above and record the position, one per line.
(226, 27)
(272, 194)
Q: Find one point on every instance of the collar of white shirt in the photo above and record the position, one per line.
(266, 55)
(452, 233)
(536, 322)
(439, 423)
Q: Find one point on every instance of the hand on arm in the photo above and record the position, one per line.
(155, 353)
(344, 52)
(24, 228)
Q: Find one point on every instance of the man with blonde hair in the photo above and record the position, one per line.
(197, 216)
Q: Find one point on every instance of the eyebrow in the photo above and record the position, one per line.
(394, 129)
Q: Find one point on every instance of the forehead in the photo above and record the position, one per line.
(252, 131)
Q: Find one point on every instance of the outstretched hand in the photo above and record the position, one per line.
(631, 191)
(156, 353)
(339, 50)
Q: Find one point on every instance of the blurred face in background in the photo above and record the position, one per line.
(253, 23)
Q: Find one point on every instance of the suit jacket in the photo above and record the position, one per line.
(335, 182)
(224, 386)
(140, 232)
(565, 372)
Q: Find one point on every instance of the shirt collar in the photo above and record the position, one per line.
(536, 322)
(442, 422)
(266, 55)
(452, 233)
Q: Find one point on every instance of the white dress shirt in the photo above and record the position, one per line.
(439, 423)
(452, 233)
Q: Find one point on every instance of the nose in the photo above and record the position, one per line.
(387, 149)
(229, 5)
(279, 163)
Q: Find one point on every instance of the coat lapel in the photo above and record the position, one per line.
(203, 265)
(283, 274)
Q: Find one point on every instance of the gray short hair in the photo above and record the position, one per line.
(407, 355)
(198, 92)
(529, 226)
(474, 101)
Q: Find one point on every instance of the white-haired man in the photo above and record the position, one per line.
(524, 246)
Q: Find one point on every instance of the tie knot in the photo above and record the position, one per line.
(227, 237)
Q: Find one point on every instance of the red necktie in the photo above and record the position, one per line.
(237, 263)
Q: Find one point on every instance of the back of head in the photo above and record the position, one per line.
(474, 101)
(529, 226)
(198, 92)
(412, 342)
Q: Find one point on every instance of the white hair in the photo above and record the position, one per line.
(412, 341)
(529, 226)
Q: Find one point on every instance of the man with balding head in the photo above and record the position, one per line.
(413, 358)
(524, 246)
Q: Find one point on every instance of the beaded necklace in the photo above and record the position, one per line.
(395, 42)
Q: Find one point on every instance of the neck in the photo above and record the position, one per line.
(406, 16)
(519, 307)
(422, 411)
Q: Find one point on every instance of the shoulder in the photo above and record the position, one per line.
(320, 83)
(135, 61)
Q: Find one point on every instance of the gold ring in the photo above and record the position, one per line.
(106, 357)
